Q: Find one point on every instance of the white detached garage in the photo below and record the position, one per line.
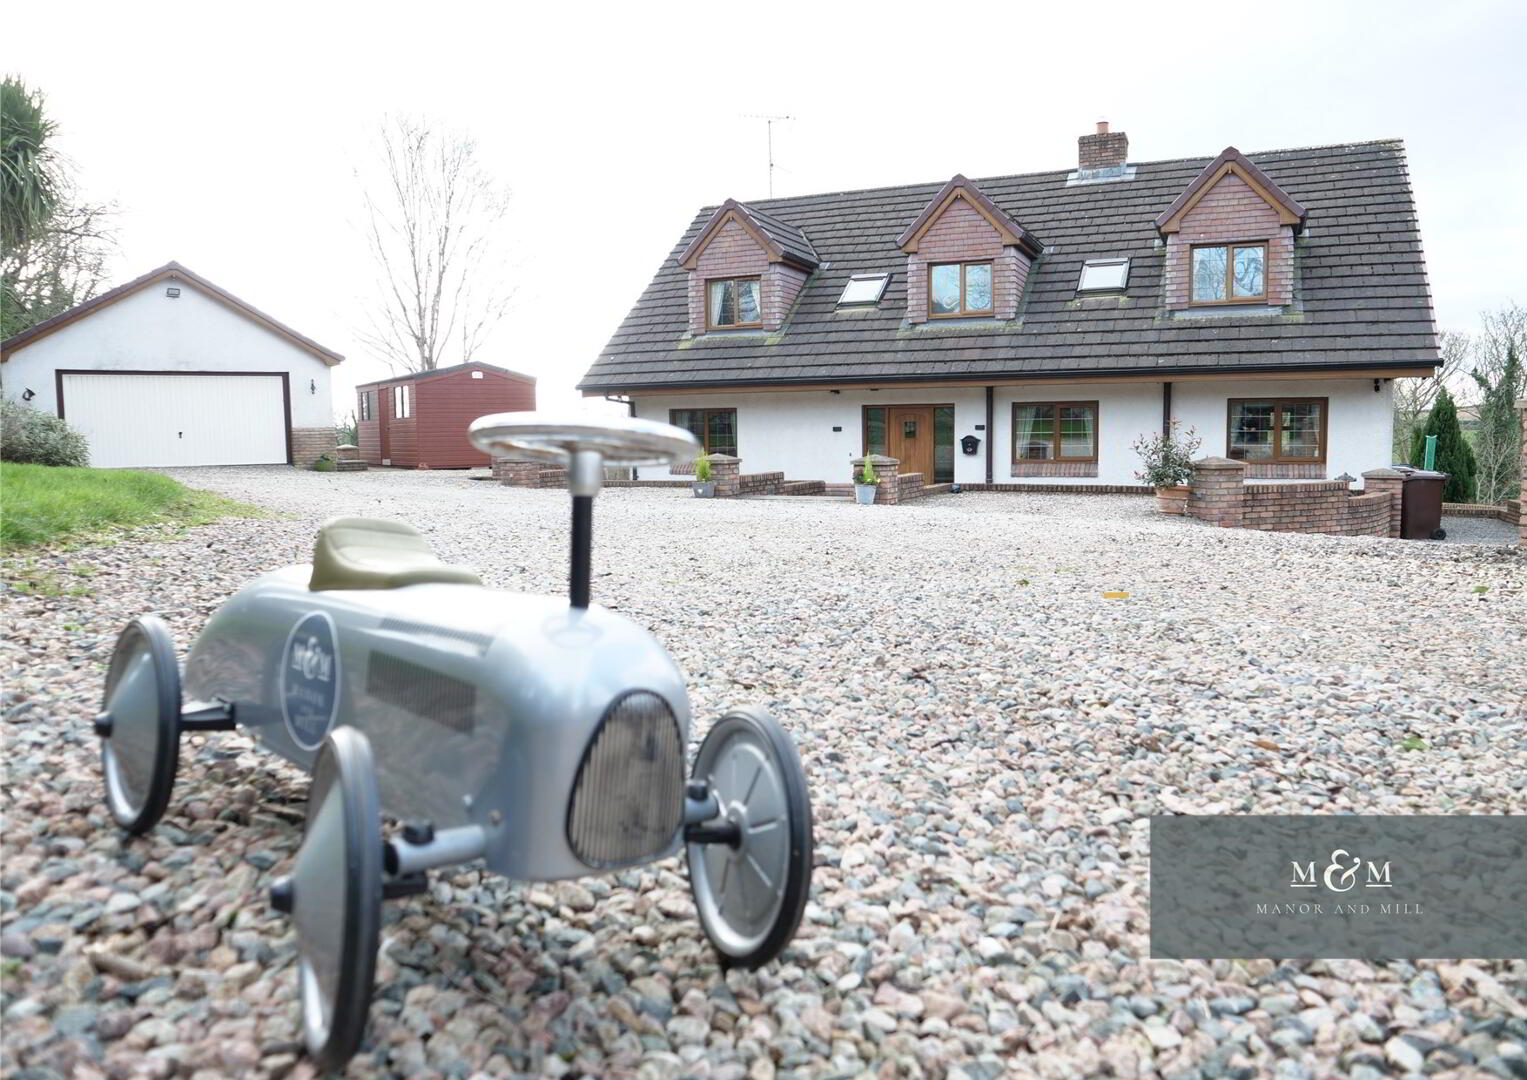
(169, 369)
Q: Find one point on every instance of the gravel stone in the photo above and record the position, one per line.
(985, 735)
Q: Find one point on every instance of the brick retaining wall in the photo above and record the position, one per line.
(767, 483)
(1220, 496)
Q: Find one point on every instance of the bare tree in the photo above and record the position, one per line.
(1413, 398)
(1499, 378)
(436, 226)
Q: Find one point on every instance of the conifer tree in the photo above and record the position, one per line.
(1454, 456)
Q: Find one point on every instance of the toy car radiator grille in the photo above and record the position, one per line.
(628, 798)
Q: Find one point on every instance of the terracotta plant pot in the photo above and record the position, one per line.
(1172, 500)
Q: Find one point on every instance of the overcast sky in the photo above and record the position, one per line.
(230, 133)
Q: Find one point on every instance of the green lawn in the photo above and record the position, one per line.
(40, 504)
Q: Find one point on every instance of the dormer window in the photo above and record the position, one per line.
(956, 289)
(1229, 273)
(735, 304)
(1104, 275)
(864, 289)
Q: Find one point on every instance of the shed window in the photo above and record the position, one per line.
(1229, 273)
(1100, 275)
(864, 289)
(735, 303)
(715, 428)
(1055, 431)
(1277, 429)
(402, 402)
(367, 405)
(959, 289)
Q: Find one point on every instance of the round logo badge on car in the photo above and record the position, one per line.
(310, 680)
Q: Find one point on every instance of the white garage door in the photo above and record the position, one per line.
(160, 420)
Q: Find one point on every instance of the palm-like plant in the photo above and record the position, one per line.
(30, 182)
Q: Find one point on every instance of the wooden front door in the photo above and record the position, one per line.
(910, 439)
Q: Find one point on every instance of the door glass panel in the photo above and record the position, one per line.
(909, 429)
(943, 444)
(1251, 425)
(1034, 432)
(1077, 431)
(1248, 271)
(978, 287)
(1209, 273)
(874, 432)
(944, 282)
(1301, 429)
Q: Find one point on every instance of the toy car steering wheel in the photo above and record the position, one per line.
(619, 440)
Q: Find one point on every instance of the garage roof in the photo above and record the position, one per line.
(169, 271)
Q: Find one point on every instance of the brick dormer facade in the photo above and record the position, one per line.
(740, 242)
(1231, 201)
(961, 225)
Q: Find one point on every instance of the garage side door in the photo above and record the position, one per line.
(143, 421)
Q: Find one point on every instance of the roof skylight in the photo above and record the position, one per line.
(864, 289)
(1103, 275)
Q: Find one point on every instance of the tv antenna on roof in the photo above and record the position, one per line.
(769, 122)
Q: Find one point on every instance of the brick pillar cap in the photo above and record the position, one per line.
(1218, 463)
(1383, 474)
(347, 446)
(1521, 403)
(877, 459)
(721, 459)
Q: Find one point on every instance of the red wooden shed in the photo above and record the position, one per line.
(419, 421)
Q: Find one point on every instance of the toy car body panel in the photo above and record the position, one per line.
(483, 707)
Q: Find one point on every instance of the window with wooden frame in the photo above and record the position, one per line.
(734, 303)
(956, 289)
(1277, 429)
(1229, 273)
(1055, 431)
(402, 402)
(715, 428)
(367, 405)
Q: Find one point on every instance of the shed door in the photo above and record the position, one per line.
(162, 420)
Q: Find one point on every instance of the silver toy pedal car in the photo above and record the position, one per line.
(545, 737)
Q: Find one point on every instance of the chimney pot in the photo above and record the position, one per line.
(1102, 127)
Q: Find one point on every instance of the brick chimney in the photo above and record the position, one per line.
(1104, 150)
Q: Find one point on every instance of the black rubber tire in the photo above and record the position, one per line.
(797, 884)
(345, 759)
(146, 631)
(1439, 534)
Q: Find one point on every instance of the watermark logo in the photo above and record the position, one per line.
(1340, 875)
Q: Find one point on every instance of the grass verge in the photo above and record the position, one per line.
(40, 504)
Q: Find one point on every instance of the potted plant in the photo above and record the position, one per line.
(704, 486)
(866, 483)
(1167, 465)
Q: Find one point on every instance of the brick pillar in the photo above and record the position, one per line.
(513, 473)
(726, 471)
(1217, 494)
(349, 458)
(1390, 482)
(887, 469)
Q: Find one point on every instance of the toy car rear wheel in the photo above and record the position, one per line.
(751, 895)
(139, 724)
(334, 894)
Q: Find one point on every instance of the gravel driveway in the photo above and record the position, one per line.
(985, 736)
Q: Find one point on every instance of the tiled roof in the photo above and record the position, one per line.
(1361, 297)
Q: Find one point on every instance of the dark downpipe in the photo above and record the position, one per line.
(990, 397)
(583, 548)
(1166, 409)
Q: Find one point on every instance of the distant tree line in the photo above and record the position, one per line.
(1485, 369)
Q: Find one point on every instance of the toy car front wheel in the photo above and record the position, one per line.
(751, 893)
(139, 724)
(334, 895)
